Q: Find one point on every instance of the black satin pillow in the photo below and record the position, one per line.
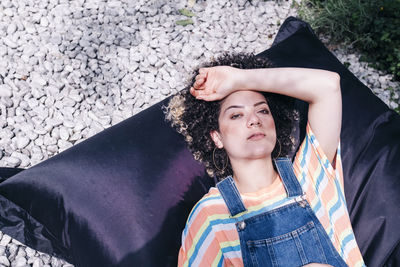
(121, 198)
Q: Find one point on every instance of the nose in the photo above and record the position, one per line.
(253, 120)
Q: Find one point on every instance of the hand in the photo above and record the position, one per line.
(215, 83)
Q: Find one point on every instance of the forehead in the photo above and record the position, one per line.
(242, 98)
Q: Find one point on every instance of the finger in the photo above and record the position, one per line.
(193, 92)
(200, 76)
(199, 80)
(198, 83)
(196, 93)
(203, 71)
(206, 97)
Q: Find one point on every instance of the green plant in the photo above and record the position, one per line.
(346, 64)
(184, 22)
(371, 26)
(186, 13)
(394, 97)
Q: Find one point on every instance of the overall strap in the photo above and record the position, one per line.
(231, 196)
(285, 169)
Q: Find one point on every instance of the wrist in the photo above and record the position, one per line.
(241, 80)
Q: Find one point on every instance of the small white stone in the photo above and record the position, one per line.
(30, 50)
(52, 149)
(69, 124)
(6, 3)
(145, 35)
(153, 59)
(44, 22)
(75, 96)
(54, 122)
(135, 56)
(22, 142)
(39, 130)
(5, 90)
(75, 136)
(30, 252)
(63, 145)
(41, 112)
(250, 37)
(175, 48)
(68, 102)
(11, 28)
(47, 140)
(5, 240)
(3, 50)
(68, 68)
(22, 157)
(13, 162)
(8, 12)
(149, 78)
(64, 135)
(10, 43)
(4, 261)
(79, 126)
(32, 102)
(58, 66)
(37, 262)
(37, 78)
(21, 252)
(20, 262)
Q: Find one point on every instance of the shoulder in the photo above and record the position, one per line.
(208, 200)
(206, 206)
(199, 233)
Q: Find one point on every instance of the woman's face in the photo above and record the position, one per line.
(246, 126)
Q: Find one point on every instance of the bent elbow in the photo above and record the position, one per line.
(335, 81)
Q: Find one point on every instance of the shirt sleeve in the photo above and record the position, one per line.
(311, 152)
(200, 246)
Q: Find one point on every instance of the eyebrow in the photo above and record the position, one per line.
(236, 106)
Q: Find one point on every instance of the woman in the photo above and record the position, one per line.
(265, 211)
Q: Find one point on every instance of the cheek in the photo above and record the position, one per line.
(230, 133)
(270, 123)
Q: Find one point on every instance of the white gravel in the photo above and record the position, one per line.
(72, 68)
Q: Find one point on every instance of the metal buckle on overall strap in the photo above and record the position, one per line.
(301, 200)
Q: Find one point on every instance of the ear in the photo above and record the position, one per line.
(216, 137)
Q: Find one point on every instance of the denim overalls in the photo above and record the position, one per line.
(289, 235)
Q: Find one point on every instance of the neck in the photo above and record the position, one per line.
(253, 175)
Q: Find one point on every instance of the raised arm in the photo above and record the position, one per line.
(320, 88)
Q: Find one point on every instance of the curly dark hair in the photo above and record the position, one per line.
(194, 119)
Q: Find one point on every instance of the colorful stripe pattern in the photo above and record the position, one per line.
(210, 237)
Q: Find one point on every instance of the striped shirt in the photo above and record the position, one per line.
(210, 237)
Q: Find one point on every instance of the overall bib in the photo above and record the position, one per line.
(289, 235)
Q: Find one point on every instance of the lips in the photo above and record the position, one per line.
(256, 136)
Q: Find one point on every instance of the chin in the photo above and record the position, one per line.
(260, 154)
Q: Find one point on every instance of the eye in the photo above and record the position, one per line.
(264, 111)
(235, 116)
